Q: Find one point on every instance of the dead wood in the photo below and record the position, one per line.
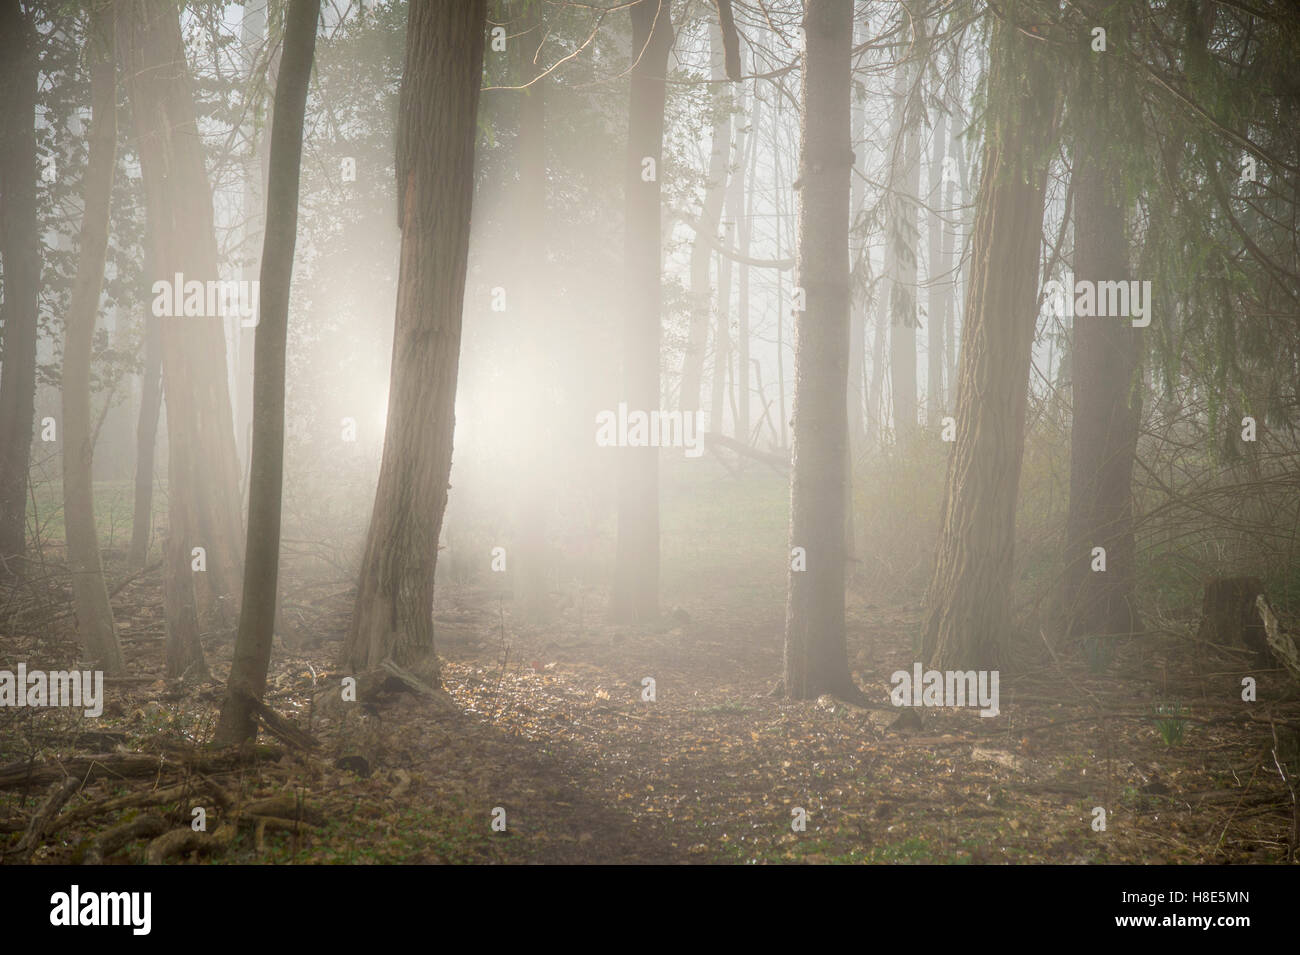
(111, 840)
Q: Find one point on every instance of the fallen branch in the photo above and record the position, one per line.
(86, 769)
(111, 840)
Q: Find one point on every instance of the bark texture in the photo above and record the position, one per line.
(20, 247)
(438, 109)
(636, 572)
(967, 619)
(815, 657)
(266, 471)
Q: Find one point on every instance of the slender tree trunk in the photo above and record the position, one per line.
(202, 471)
(816, 661)
(636, 573)
(947, 278)
(435, 179)
(1103, 433)
(252, 35)
(146, 440)
(262, 553)
(934, 392)
(744, 233)
(707, 226)
(722, 336)
(20, 247)
(858, 261)
(533, 592)
(968, 612)
(904, 235)
(89, 595)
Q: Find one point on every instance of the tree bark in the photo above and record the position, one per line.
(146, 439)
(707, 225)
(968, 613)
(89, 595)
(636, 572)
(437, 127)
(20, 247)
(202, 470)
(536, 476)
(936, 279)
(903, 236)
(1106, 402)
(816, 661)
(266, 472)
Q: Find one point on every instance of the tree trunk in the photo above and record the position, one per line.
(252, 36)
(744, 233)
(533, 593)
(437, 127)
(636, 573)
(1104, 429)
(20, 247)
(146, 439)
(815, 657)
(202, 469)
(707, 225)
(903, 236)
(936, 278)
(89, 595)
(968, 613)
(266, 471)
(858, 258)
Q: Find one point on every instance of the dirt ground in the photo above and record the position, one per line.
(548, 729)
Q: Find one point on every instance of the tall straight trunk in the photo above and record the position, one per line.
(816, 661)
(904, 237)
(857, 258)
(968, 610)
(936, 279)
(946, 274)
(89, 595)
(533, 592)
(722, 335)
(20, 247)
(266, 472)
(146, 439)
(744, 233)
(435, 184)
(252, 35)
(707, 227)
(203, 502)
(1103, 433)
(636, 572)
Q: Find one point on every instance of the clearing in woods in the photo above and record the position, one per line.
(552, 724)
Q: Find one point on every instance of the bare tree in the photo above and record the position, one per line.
(815, 657)
(636, 572)
(203, 504)
(262, 553)
(968, 614)
(89, 595)
(20, 247)
(438, 111)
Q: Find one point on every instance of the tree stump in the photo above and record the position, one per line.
(1229, 614)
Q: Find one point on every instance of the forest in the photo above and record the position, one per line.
(585, 432)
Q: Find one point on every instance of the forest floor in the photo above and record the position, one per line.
(550, 725)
